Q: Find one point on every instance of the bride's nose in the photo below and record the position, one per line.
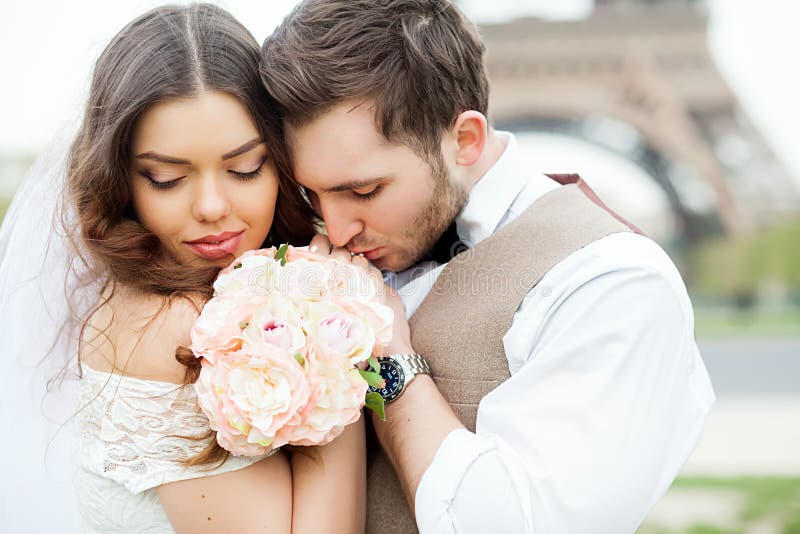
(211, 202)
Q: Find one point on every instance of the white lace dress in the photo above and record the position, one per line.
(127, 444)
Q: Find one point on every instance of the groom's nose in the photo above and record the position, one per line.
(341, 222)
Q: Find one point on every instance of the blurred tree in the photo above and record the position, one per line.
(738, 269)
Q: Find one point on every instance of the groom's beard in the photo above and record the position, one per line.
(431, 221)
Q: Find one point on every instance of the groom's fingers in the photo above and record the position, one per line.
(341, 254)
(360, 261)
(320, 244)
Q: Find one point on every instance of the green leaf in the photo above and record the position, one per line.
(280, 255)
(373, 364)
(375, 403)
(238, 266)
(373, 379)
(300, 359)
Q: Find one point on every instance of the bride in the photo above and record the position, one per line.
(177, 168)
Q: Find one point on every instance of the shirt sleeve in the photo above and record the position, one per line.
(593, 425)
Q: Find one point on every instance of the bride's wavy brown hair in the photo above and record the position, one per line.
(171, 52)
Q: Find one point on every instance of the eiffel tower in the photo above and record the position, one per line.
(644, 64)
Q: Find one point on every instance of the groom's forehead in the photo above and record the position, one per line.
(345, 123)
(341, 144)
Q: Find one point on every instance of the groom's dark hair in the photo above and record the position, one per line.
(419, 62)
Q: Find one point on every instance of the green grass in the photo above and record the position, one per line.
(755, 323)
(768, 497)
(775, 500)
(741, 266)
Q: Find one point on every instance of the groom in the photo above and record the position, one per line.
(551, 383)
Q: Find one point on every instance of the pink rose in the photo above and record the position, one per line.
(276, 323)
(338, 331)
(379, 316)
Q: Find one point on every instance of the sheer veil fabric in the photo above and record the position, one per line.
(38, 338)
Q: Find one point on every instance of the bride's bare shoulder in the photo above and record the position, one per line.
(137, 335)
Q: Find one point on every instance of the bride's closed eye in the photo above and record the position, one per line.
(244, 174)
(160, 183)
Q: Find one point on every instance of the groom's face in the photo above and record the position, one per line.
(376, 198)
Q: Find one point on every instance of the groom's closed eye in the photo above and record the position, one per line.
(367, 193)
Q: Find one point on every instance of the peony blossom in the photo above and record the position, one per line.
(249, 398)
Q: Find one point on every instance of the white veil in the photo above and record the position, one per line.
(37, 344)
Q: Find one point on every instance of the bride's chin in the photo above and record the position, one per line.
(199, 261)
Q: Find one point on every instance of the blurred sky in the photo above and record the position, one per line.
(47, 50)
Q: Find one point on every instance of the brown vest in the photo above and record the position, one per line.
(460, 325)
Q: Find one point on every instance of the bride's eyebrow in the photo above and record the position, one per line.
(161, 158)
(247, 147)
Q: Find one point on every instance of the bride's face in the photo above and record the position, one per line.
(202, 178)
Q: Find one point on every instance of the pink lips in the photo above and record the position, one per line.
(373, 254)
(215, 247)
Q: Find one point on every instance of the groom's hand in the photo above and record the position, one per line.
(401, 333)
(320, 244)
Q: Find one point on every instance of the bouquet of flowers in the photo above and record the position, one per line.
(282, 343)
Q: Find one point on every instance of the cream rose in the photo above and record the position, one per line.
(338, 399)
(248, 399)
(218, 330)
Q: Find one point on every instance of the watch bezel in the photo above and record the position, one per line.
(401, 381)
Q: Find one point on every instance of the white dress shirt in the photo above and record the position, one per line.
(607, 395)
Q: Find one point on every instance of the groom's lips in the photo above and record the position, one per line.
(371, 254)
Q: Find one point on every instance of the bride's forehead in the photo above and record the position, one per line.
(209, 121)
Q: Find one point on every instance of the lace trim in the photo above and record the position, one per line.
(139, 432)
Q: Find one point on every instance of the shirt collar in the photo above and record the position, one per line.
(492, 196)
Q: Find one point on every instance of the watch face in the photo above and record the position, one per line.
(395, 379)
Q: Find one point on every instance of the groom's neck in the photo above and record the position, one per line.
(495, 146)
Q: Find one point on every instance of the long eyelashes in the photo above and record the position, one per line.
(155, 184)
(249, 175)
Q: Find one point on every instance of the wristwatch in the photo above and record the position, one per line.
(398, 370)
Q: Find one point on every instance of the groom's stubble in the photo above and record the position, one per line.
(446, 202)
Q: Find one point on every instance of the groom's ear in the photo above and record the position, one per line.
(469, 130)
